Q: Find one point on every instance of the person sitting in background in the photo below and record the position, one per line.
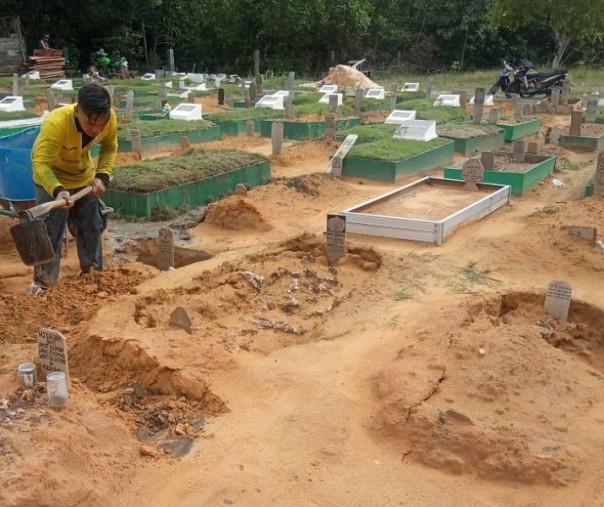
(166, 108)
(44, 42)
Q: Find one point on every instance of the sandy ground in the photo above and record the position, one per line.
(406, 374)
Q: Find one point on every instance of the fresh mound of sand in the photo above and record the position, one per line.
(344, 75)
(236, 212)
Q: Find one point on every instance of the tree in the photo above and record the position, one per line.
(570, 21)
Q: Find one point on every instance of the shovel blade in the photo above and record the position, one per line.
(32, 242)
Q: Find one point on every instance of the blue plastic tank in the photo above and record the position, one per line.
(16, 174)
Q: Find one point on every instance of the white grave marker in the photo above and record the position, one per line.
(187, 112)
(63, 84)
(375, 93)
(325, 98)
(32, 74)
(447, 99)
(399, 116)
(557, 300)
(329, 88)
(410, 87)
(338, 158)
(180, 95)
(271, 102)
(488, 100)
(195, 78)
(417, 130)
(149, 76)
(11, 103)
(52, 352)
(281, 93)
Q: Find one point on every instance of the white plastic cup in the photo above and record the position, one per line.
(28, 374)
(56, 386)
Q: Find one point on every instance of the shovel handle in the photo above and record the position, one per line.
(42, 209)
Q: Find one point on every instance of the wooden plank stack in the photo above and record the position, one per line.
(49, 62)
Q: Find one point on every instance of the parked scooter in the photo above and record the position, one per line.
(528, 82)
(504, 78)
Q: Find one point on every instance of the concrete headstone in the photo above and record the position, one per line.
(336, 237)
(358, 101)
(338, 158)
(576, 119)
(52, 352)
(135, 140)
(519, 151)
(555, 97)
(256, 61)
(557, 299)
(15, 85)
(221, 96)
(259, 82)
(129, 102)
(166, 249)
(249, 128)
(599, 180)
(330, 126)
(472, 172)
(181, 318)
(429, 85)
(393, 92)
(591, 110)
(532, 148)
(277, 137)
(554, 137)
(493, 116)
(488, 160)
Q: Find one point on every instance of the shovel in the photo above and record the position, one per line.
(30, 236)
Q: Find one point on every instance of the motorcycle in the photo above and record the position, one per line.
(528, 82)
(503, 78)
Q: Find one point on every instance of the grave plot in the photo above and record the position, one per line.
(588, 135)
(465, 413)
(165, 134)
(517, 128)
(503, 169)
(233, 123)
(192, 179)
(470, 139)
(426, 110)
(427, 210)
(379, 156)
(302, 128)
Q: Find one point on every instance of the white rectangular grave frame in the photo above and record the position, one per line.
(187, 112)
(416, 130)
(281, 93)
(447, 99)
(149, 76)
(63, 84)
(271, 102)
(410, 87)
(430, 231)
(196, 78)
(200, 87)
(488, 100)
(328, 88)
(32, 74)
(180, 95)
(325, 98)
(375, 93)
(399, 116)
(12, 103)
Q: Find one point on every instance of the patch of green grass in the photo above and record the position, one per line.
(424, 258)
(402, 294)
(245, 114)
(426, 110)
(548, 209)
(159, 127)
(394, 149)
(469, 276)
